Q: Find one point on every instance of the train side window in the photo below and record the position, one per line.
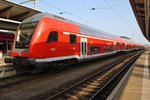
(124, 44)
(105, 48)
(89, 32)
(93, 34)
(53, 37)
(72, 39)
(82, 30)
(94, 49)
(91, 49)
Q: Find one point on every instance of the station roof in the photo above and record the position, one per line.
(13, 13)
(141, 9)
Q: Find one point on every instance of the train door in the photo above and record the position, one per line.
(83, 47)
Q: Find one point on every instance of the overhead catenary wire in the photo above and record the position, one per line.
(70, 13)
(130, 27)
(94, 9)
(90, 7)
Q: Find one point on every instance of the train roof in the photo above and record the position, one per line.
(41, 15)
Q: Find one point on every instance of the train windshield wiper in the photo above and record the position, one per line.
(24, 37)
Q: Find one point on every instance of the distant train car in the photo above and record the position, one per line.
(6, 40)
(49, 40)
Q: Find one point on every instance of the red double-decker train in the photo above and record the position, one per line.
(49, 40)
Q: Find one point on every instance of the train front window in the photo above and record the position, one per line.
(25, 34)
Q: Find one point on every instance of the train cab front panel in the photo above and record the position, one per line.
(29, 43)
(32, 38)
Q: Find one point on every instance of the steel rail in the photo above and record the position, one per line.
(62, 93)
(129, 64)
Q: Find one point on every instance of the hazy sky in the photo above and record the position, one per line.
(112, 16)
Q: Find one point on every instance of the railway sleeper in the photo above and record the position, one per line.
(86, 89)
(80, 93)
(74, 97)
(95, 81)
(95, 84)
(90, 86)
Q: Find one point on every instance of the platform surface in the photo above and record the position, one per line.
(137, 86)
(2, 61)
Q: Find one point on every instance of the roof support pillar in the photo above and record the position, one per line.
(147, 17)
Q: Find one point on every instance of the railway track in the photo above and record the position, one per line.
(99, 84)
(21, 81)
(9, 76)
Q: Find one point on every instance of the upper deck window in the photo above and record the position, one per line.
(72, 39)
(82, 30)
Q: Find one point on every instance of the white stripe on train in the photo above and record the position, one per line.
(73, 56)
(68, 33)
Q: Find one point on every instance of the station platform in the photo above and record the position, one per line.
(137, 84)
(2, 61)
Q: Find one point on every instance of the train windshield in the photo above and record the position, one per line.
(25, 34)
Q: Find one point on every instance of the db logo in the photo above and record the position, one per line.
(53, 49)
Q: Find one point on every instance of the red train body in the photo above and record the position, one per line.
(45, 39)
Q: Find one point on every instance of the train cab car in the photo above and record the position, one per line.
(50, 40)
